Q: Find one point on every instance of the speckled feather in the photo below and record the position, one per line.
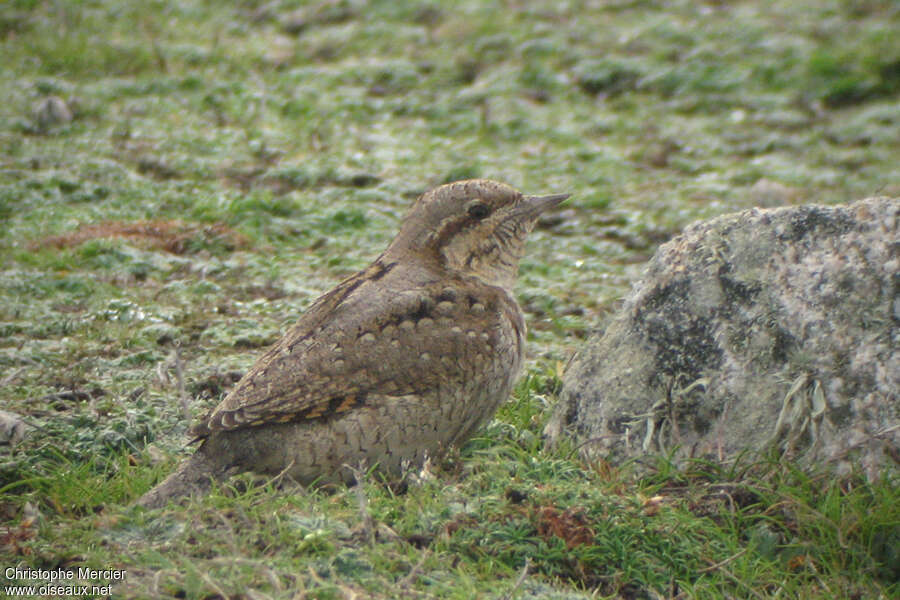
(395, 364)
(325, 366)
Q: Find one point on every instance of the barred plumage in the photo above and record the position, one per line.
(396, 363)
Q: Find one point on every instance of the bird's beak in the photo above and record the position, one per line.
(535, 205)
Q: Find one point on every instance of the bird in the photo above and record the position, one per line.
(397, 364)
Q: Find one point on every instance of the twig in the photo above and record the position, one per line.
(723, 563)
(812, 565)
(733, 578)
(521, 579)
(206, 578)
(592, 440)
(8, 379)
(179, 377)
(359, 473)
(230, 538)
(414, 572)
(277, 479)
(154, 584)
(720, 428)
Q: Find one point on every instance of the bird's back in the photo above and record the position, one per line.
(387, 368)
(391, 330)
(396, 363)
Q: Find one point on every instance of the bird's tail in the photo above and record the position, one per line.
(194, 476)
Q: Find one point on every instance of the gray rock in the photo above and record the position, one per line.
(768, 328)
(50, 112)
(12, 428)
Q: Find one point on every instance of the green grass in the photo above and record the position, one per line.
(281, 142)
(471, 524)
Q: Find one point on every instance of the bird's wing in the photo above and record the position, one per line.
(360, 340)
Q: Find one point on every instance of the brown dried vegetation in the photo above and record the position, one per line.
(176, 237)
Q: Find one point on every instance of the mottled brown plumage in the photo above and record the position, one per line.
(396, 363)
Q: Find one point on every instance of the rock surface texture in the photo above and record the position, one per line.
(768, 328)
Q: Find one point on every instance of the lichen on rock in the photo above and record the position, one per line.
(768, 328)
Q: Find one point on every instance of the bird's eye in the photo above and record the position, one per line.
(479, 210)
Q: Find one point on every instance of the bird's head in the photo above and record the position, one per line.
(476, 227)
